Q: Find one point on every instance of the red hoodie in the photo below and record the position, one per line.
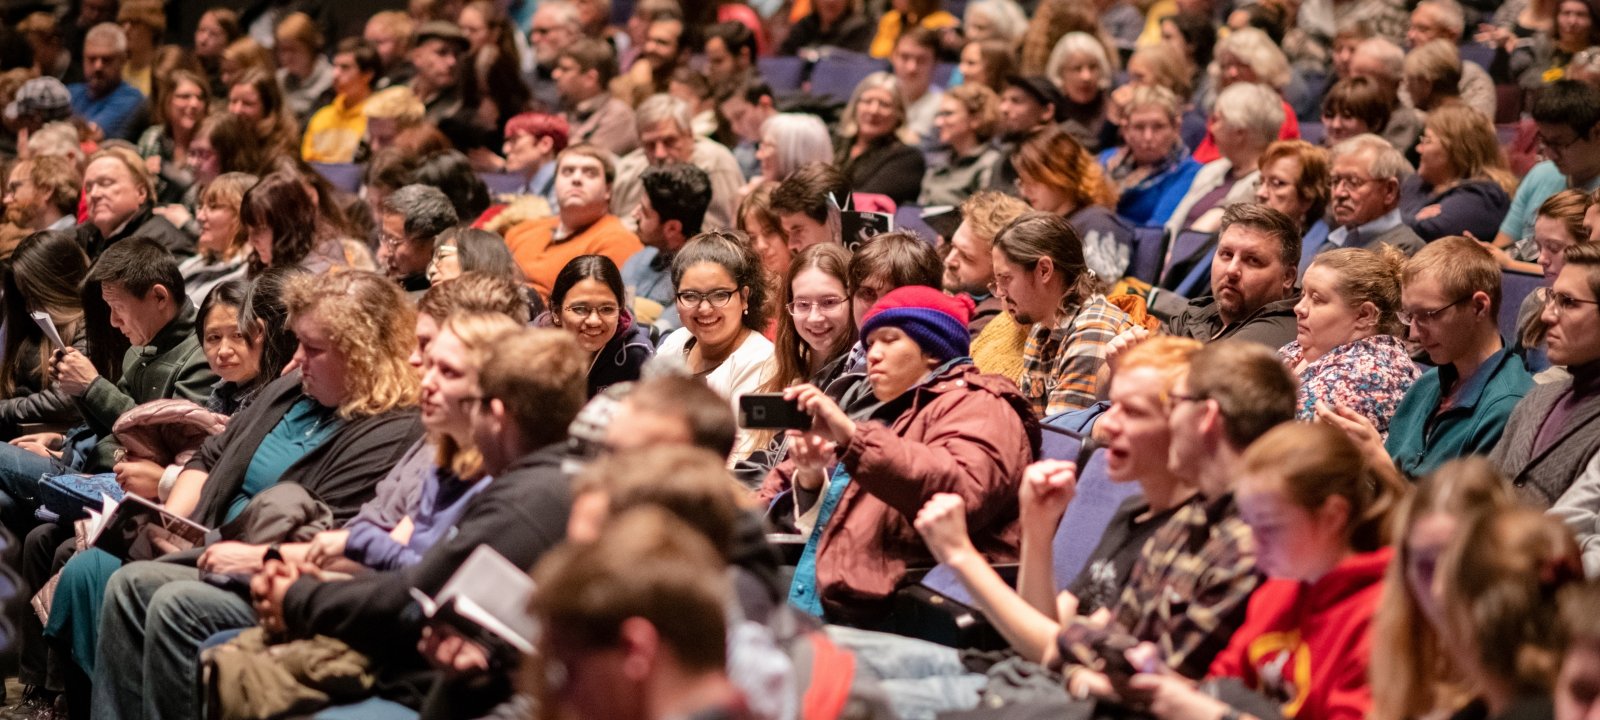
(1306, 645)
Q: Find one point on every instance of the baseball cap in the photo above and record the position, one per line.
(44, 98)
(1041, 90)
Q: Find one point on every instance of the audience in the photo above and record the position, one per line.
(942, 246)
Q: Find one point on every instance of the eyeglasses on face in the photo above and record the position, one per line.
(584, 311)
(717, 298)
(802, 308)
(1412, 317)
(1562, 302)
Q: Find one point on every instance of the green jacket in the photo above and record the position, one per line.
(173, 365)
(1420, 440)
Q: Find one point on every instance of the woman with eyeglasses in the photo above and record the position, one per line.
(589, 301)
(721, 293)
(816, 329)
(1346, 350)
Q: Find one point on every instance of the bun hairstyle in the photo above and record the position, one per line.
(1317, 463)
(1369, 276)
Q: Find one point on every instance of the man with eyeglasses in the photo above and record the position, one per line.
(556, 25)
(1366, 175)
(582, 224)
(1566, 113)
(411, 218)
(1551, 448)
(1450, 300)
(670, 212)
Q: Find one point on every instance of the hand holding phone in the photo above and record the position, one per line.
(770, 411)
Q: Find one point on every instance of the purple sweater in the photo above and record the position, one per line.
(432, 497)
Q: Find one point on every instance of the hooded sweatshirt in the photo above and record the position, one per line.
(1306, 645)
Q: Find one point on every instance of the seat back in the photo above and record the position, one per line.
(783, 74)
(1514, 288)
(909, 217)
(503, 183)
(1086, 518)
(835, 77)
(1187, 245)
(1313, 132)
(942, 74)
(345, 177)
(1148, 246)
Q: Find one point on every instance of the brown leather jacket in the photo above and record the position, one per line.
(962, 432)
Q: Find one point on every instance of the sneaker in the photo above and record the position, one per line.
(36, 705)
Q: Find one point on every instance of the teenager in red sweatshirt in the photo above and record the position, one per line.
(1318, 514)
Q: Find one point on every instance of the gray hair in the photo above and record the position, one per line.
(56, 139)
(1254, 48)
(1387, 162)
(427, 211)
(877, 81)
(1078, 43)
(1449, 14)
(1006, 15)
(565, 12)
(1157, 97)
(1253, 107)
(109, 33)
(801, 139)
(1392, 57)
(662, 107)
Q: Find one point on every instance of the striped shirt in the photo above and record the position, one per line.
(1061, 365)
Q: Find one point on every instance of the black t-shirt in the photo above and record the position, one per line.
(1101, 581)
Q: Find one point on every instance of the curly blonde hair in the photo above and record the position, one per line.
(373, 326)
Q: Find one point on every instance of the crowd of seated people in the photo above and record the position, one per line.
(1194, 359)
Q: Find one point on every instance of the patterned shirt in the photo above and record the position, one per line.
(1187, 594)
(1369, 376)
(1061, 365)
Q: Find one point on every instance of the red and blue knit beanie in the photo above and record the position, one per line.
(936, 321)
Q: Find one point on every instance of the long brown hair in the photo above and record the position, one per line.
(797, 361)
(1055, 158)
(1471, 145)
(45, 273)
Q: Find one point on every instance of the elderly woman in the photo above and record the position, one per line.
(1152, 170)
(969, 115)
(1356, 106)
(932, 424)
(1294, 181)
(1001, 20)
(222, 250)
(333, 428)
(869, 151)
(1462, 185)
(789, 141)
(1247, 56)
(1244, 122)
(721, 291)
(1432, 75)
(1346, 351)
(1081, 67)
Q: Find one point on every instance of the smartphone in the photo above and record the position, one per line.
(769, 411)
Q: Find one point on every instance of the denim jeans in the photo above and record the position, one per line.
(920, 678)
(20, 471)
(155, 618)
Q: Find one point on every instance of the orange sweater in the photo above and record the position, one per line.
(541, 259)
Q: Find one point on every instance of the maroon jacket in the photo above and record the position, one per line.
(962, 432)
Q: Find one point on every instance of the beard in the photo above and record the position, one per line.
(21, 216)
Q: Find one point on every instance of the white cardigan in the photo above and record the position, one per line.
(745, 371)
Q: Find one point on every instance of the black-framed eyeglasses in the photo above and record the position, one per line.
(1411, 317)
(1562, 301)
(717, 298)
(584, 311)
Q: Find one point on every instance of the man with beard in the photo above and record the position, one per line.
(1040, 272)
(556, 25)
(582, 225)
(1365, 209)
(968, 263)
(1027, 105)
(664, 50)
(1252, 281)
(42, 194)
(103, 98)
(411, 218)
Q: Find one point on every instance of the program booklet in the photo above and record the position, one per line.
(136, 529)
(489, 595)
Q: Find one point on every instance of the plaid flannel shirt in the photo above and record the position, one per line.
(1061, 365)
(1187, 595)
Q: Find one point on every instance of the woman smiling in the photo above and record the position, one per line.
(588, 300)
(869, 150)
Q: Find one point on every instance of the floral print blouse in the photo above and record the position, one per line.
(1369, 376)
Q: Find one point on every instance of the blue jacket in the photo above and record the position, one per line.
(1152, 201)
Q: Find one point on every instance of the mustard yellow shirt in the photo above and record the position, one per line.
(889, 29)
(334, 132)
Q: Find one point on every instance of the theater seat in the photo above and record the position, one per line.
(783, 74)
(345, 177)
(1514, 288)
(1148, 247)
(835, 77)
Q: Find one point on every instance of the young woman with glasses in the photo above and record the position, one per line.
(588, 300)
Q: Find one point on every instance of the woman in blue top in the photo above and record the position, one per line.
(1152, 168)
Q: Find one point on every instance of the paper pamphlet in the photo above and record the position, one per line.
(490, 593)
(48, 325)
(137, 529)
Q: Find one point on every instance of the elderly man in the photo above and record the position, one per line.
(556, 25)
(121, 192)
(583, 74)
(1365, 208)
(1384, 62)
(1252, 281)
(410, 220)
(666, 129)
(103, 97)
(42, 194)
(582, 225)
(1444, 20)
(436, 56)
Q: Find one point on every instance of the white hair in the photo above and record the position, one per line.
(1390, 55)
(1385, 160)
(877, 81)
(1449, 14)
(1078, 43)
(1006, 15)
(799, 141)
(56, 139)
(109, 33)
(662, 107)
(1254, 48)
(1252, 107)
(564, 12)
